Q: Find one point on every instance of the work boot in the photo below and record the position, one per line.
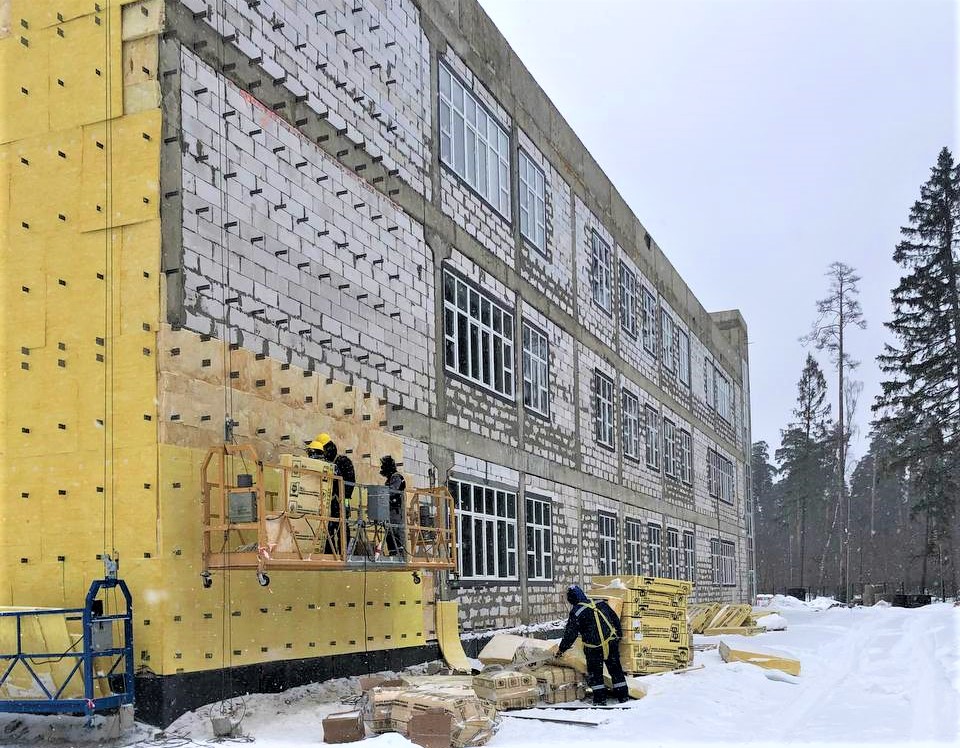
(600, 697)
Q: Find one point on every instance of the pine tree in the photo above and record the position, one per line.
(920, 400)
(837, 311)
(802, 455)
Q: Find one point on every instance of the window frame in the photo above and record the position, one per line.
(670, 448)
(723, 560)
(630, 424)
(607, 411)
(500, 523)
(608, 561)
(683, 357)
(685, 440)
(689, 556)
(633, 547)
(667, 326)
(601, 274)
(654, 549)
(721, 477)
(525, 164)
(446, 128)
(628, 300)
(541, 554)
(528, 327)
(652, 431)
(649, 320)
(508, 319)
(673, 553)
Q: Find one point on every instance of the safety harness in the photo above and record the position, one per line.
(605, 639)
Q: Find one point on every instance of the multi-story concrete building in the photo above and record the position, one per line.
(357, 216)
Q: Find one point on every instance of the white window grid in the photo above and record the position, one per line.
(478, 336)
(670, 456)
(653, 437)
(654, 562)
(533, 223)
(667, 338)
(689, 557)
(723, 561)
(723, 398)
(609, 561)
(721, 477)
(633, 542)
(628, 301)
(683, 357)
(649, 322)
(603, 408)
(674, 567)
(473, 143)
(536, 370)
(686, 457)
(487, 547)
(601, 272)
(539, 538)
(631, 424)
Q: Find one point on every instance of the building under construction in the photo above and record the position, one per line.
(229, 226)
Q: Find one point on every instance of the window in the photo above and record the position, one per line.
(473, 144)
(722, 557)
(666, 338)
(632, 535)
(671, 462)
(708, 394)
(603, 408)
(653, 550)
(539, 539)
(674, 568)
(689, 557)
(720, 476)
(628, 301)
(478, 336)
(683, 357)
(608, 544)
(724, 399)
(653, 437)
(649, 322)
(532, 201)
(600, 273)
(631, 424)
(488, 531)
(686, 457)
(536, 370)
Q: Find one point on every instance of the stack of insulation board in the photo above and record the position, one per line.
(656, 637)
(390, 710)
(507, 689)
(714, 619)
(558, 684)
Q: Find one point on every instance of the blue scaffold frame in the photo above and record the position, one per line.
(53, 702)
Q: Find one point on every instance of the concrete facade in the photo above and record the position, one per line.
(308, 217)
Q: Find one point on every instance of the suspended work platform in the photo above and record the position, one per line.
(299, 516)
(68, 660)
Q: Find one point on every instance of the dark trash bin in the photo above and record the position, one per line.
(798, 592)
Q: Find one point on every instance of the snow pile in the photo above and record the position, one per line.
(870, 676)
(772, 622)
(523, 630)
(786, 602)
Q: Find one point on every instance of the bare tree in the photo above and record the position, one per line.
(838, 311)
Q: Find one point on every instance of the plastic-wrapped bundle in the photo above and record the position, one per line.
(390, 709)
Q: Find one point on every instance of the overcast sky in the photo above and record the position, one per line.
(758, 141)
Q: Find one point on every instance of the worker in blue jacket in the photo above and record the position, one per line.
(599, 628)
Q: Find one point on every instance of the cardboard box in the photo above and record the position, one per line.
(369, 682)
(431, 729)
(343, 727)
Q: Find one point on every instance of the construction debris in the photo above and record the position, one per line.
(772, 662)
(343, 727)
(507, 689)
(715, 619)
(473, 721)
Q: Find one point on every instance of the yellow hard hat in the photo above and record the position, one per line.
(320, 442)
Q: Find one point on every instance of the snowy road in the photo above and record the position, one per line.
(870, 676)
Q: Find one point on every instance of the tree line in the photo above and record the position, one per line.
(828, 524)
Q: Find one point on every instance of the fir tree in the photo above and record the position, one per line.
(802, 455)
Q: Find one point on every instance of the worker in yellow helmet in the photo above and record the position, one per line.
(324, 448)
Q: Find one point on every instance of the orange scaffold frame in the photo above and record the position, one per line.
(281, 525)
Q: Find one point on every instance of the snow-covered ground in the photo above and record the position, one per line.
(870, 676)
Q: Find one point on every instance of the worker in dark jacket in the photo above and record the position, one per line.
(395, 481)
(599, 628)
(324, 448)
